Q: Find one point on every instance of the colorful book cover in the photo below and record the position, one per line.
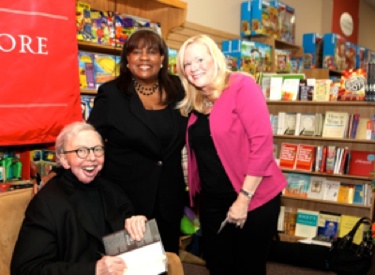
(306, 223)
(298, 185)
(328, 223)
(331, 158)
(361, 163)
(288, 154)
(106, 67)
(322, 89)
(305, 157)
(359, 194)
(86, 70)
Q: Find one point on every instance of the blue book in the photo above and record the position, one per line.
(359, 194)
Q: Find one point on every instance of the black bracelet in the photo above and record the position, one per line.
(247, 194)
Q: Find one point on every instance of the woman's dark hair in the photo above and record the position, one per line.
(146, 38)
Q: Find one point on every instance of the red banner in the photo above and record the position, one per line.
(39, 85)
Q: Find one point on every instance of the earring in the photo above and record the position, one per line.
(161, 66)
(127, 65)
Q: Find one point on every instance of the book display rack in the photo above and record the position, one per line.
(366, 109)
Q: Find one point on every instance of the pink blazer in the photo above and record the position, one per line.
(241, 131)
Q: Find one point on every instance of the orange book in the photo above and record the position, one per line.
(288, 154)
(305, 157)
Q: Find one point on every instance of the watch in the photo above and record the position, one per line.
(246, 193)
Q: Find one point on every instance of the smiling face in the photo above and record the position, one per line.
(144, 63)
(198, 66)
(84, 169)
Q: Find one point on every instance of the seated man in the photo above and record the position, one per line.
(65, 222)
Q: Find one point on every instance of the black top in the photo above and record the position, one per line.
(212, 174)
(162, 122)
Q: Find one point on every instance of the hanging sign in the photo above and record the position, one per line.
(39, 86)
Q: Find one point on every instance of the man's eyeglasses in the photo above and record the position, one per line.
(83, 152)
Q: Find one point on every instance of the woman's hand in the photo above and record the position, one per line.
(237, 213)
(136, 226)
(109, 265)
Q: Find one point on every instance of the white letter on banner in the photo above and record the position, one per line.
(41, 45)
(13, 42)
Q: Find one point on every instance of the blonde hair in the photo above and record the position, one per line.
(193, 99)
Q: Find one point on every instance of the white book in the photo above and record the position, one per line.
(275, 88)
(306, 223)
(331, 190)
(316, 190)
(298, 124)
(146, 256)
(335, 124)
(281, 123)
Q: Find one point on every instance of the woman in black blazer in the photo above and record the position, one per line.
(144, 133)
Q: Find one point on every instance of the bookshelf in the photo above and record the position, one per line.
(366, 109)
(278, 44)
(169, 13)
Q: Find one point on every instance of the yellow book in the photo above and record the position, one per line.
(346, 193)
(346, 224)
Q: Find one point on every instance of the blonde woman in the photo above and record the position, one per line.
(230, 160)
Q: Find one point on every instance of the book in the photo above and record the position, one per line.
(331, 158)
(288, 154)
(305, 157)
(316, 189)
(275, 88)
(289, 90)
(322, 89)
(146, 256)
(331, 190)
(328, 223)
(346, 193)
(290, 215)
(361, 163)
(346, 224)
(290, 123)
(359, 194)
(298, 185)
(306, 223)
(307, 124)
(364, 128)
(335, 124)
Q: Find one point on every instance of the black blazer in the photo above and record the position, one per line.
(134, 159)
(58, 235)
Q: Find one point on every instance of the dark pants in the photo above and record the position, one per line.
(170, 234)
(237, 251)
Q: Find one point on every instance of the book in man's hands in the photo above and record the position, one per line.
(144, 257)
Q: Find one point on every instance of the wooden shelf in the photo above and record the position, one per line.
(97, 48)
(316, 138)
(341, 104)
(365, 109)
(321, 73)
(88, 92)
(169, 13)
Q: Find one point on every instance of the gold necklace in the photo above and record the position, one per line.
(145, 90)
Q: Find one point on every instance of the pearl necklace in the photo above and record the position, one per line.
(145, 90)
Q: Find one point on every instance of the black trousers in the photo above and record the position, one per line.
(237, 251)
